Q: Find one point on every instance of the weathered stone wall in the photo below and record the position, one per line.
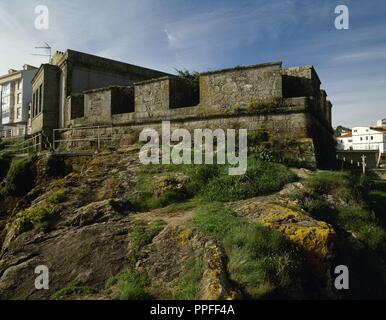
(286, 129)
(229, 89)
(242, 98)
(304, 82)
(300, 82)
(101, 104)
(48, 118)
(152, 98)
(97, 107)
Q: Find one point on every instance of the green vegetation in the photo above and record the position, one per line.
(142, 234)
(5, 161)
(42, 215)
(263, 105)
(261, 261)
(210, 183)
(343, 199)
(261, 178)
(15, 146)
(376, 198)
(129, 285)
(181, 206)
(66, 292)
(58, 196)
(56, 166)
(191, 77)
(20, 177)
(187, 287)
(348, 209)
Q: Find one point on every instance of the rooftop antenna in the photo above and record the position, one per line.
(48, 48)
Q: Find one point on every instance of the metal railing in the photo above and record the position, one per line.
(79, 135)
(26, 146)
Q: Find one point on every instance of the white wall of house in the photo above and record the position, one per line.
(365, 138)
(345, 142)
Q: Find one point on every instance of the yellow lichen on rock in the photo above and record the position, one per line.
(214, 283)
(314, 237)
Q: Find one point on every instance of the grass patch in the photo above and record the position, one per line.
(141, 234)
(58, 196)
(261, 178)
(348, 210)
(69, 291)
(268, 104)
(261, 261)
(187, 287)
(41, 216)
(129, 285)
(211, 183)
(20, 177)
(345, 201)
(181, 206)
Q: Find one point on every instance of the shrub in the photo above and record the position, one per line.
(34, 217)
(20, 177)
(43, 215)
(261, 261)
(4, 144)
(58, 196)
(56, 166)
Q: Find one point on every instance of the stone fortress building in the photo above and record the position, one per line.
(56, 86)
(283, 108)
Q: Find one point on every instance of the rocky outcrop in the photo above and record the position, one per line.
(168, 258)
(91, 238)
(75, 257)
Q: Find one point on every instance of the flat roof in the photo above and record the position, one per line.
(254, 66)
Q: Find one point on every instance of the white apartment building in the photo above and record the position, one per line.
(15, 96)
(365, 138)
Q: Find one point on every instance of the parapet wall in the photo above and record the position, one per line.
(262, 99)
(224, 90)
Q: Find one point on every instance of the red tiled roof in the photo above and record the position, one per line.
(346, 135)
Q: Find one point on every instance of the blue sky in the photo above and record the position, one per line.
(203, 35)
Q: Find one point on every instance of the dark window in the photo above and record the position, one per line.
(40, 98)
(33, 105)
